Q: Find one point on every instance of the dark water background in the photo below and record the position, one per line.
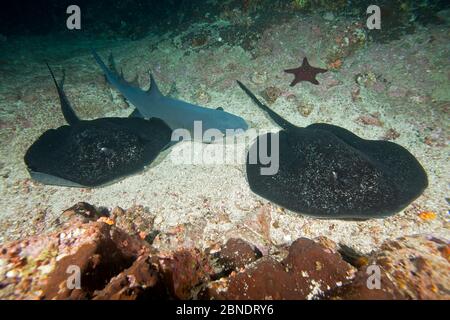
(134, 19)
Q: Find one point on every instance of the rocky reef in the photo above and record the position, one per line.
(96, 254)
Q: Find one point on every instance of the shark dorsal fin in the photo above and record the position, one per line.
(67, 110)
(153, 90)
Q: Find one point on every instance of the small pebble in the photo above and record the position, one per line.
(201, 96)
(12, 274)
(305, 109)
(329, 16)
(271, 94)
(258, 77)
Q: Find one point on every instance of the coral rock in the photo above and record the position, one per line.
(309, 270)
(258, 77)
(114, 265)
(323, 265)
(271, 94)
(237, 253)
(391, 134)
(83, 212)
(41, 267)
(201, 96)
(370, 120)
(418, 266)
(359, 289)
(305, 109)
(183, 271)
(134, 220)
(140, 281)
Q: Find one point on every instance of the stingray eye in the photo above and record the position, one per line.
(106, 151)
(335, 175)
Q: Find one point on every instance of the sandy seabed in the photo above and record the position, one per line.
(411, 94)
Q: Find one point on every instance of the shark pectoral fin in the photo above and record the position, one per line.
(220, 108)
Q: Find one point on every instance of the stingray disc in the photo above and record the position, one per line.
(96, 152)
(327, 171)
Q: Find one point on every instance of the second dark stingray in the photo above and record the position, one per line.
(92, 153)
(326, 171)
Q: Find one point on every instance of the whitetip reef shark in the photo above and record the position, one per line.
(176, 113)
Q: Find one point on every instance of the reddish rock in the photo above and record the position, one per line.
(391, 134)
(417, 265)
(370, 120)
(135, 220)
(359, 289)
(82, 212)
(356, 94)
(327, 243)
(174, 275)
(141, 281)
(237, 253)
(184, 271)
(271, 94)
(113, 264)
(413, 267)
(321, 264)
(40, 267)
(266, 279)
(309, 270)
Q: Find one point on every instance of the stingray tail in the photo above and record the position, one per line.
(272, 114)
(67, 110)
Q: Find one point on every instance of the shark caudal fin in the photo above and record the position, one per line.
(111, 75)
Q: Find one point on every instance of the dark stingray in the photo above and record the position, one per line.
(327, 171)
(95, 152)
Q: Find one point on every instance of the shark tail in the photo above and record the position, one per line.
(115, 78)
(110, 76)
